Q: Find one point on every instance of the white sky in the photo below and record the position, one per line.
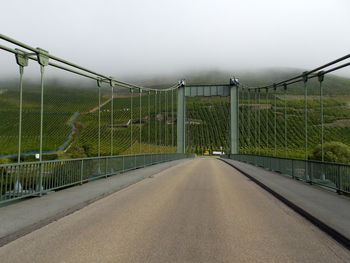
(129, 37)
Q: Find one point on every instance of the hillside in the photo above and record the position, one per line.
(70, 119)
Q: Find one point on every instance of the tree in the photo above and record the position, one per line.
(336, 152)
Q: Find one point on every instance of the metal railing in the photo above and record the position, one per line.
(330, 175)
(23, 180)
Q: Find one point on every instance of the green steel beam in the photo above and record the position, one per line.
(207, 90)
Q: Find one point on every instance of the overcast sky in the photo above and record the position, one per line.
(128, 37)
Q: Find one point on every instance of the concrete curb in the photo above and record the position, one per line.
(345, 241)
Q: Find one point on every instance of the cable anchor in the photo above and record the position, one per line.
(43, 57)
(320, 76)
(21, 58)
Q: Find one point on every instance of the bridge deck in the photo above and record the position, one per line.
(198, 211)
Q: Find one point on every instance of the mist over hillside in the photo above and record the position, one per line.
(250, 77)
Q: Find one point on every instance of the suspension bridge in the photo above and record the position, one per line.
(278, 192)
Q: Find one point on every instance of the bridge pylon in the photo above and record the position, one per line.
(225, 90)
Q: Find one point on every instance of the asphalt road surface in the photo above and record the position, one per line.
(197, 211)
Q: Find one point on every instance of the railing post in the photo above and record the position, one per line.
(106, 165)
(339, 183)
(310, 168)
(82, 171)
(41, 179)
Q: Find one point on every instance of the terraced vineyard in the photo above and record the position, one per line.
(71, 121)
(289, 137)
(208, 123)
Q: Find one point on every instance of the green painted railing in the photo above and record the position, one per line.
(331, 175)
(36, 178)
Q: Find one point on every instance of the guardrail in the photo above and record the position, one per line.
(36, 178)
(334, 176)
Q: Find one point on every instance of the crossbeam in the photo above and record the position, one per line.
(207, 90)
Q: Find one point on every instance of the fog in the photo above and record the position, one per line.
(128, 38)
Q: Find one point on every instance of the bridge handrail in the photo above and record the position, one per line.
(330, 175)
(18, 181)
